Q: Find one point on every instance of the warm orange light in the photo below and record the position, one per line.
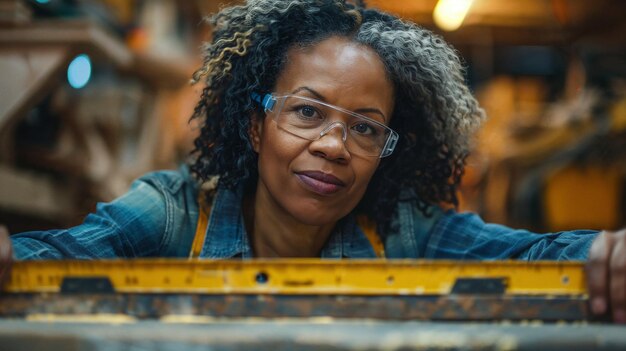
(449, 14)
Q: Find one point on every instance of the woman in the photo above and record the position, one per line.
(316, 115)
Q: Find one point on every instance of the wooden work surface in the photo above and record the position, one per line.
(305, 334)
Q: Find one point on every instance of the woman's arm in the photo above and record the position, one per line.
(467, 236)
(129, 226)
(152, 219)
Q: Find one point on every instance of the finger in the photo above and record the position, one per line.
(596, 270)
(617, 279)
(5, 244)
(6, 254)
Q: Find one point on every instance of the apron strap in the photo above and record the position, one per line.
(369, 229)
(204, 211)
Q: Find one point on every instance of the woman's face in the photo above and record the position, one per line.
(318, 182)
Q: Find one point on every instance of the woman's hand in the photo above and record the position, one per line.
(606, 275)
(6, 254)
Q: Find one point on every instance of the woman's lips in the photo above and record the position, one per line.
(321, 183)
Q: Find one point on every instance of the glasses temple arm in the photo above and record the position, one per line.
(267, 101)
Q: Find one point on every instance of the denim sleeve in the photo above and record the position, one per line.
(138, 224)
(466, 236)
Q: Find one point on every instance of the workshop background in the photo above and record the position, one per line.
(95, 93)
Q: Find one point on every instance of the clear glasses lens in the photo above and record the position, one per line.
(311, 119)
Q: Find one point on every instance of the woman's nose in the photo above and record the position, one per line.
(331, 143)
(330, 127)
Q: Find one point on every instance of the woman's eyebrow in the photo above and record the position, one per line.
(371, 110)
(322, 98)
(312, 91)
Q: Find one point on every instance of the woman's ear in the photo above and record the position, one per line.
(256, 131)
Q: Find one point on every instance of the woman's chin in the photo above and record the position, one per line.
(317, 217)
(318, 211)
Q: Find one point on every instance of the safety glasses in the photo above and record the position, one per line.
(311, 119)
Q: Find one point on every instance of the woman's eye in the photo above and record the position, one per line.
(364, 128)
(307, 111)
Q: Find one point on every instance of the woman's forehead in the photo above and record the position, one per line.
(337, 66)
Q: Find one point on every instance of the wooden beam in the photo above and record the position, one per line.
(80, 34)
(14, 12)
(27, 74)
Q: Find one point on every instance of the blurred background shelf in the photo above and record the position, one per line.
(551, 75)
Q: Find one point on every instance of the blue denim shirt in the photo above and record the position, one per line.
(159, 214)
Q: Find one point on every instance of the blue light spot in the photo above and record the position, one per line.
(79, 71)
(43, 1)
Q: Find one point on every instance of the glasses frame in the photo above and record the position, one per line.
(268, 103)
